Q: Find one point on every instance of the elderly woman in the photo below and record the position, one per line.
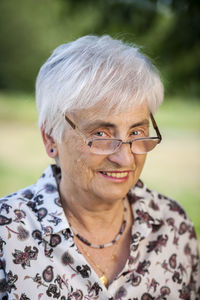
(89, 228)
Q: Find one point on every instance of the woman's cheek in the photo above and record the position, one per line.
(83, 171)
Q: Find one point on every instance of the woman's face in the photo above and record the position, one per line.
(106, 177)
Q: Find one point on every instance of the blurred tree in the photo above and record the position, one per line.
(181, 47)
(26, 36)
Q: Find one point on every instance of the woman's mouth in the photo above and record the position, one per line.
(120, 175)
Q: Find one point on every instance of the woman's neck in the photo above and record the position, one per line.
(92, 217)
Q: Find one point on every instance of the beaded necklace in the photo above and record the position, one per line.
(101, 246)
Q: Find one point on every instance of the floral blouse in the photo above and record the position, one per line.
(39, 259)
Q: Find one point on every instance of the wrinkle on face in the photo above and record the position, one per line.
(80, 168)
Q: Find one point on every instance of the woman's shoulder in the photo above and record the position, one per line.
(27, 199)
(161, 207)
(166, 220)
(13, 207)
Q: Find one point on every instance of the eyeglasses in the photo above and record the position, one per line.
(109, 146)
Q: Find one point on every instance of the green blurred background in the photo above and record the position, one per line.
(167, 30)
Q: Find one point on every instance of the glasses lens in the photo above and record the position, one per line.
(144, 146)
(105, 146)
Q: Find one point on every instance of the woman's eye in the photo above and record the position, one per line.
(100, 134)
(136, 132)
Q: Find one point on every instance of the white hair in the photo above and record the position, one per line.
(80, 74)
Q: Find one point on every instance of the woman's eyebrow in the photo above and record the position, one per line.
(97, 124)
(143, 122)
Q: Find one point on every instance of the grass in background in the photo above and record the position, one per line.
(172, 168)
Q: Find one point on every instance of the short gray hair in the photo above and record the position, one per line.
(81, 73)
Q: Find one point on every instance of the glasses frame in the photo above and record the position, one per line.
(89, 141)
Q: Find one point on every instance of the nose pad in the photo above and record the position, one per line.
(128, 143)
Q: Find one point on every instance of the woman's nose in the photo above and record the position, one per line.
(123, 157)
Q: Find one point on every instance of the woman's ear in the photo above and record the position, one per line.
(50, 144)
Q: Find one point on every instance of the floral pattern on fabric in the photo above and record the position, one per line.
(39, 259)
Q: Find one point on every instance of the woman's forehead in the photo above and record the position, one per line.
(98, 116)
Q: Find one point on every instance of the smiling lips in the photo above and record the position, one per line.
(117, 175)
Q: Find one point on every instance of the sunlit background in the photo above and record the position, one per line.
(168, 32)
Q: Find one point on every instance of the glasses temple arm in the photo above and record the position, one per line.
(75, 127)
(155, 126)
(70, 122)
